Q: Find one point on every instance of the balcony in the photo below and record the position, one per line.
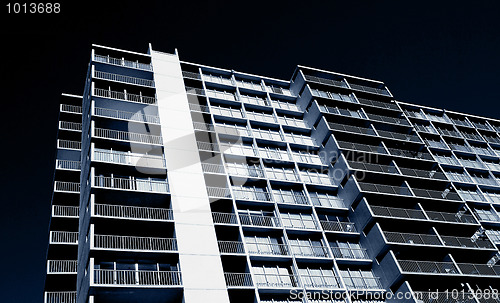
(337, 83)
(233, 130)
(306, 157)
(326, 200)
(374, 167)
(190, 75)
(294, 122)
(321, 281)
(423, 173)
(435, 194)
(239, 149)
(251, 194)
(226, 112)
(425, 128)
(70, 187)
(231, 247)
(208, 127)
(274, 153)
(385, 189)
(63, 237)
(436, 144)
(278, 90)
(261, 117)
(428, 267)
(105, 93)
(238, 279)
(410, 154)
(65, 211)
(259, 220)
(403, 213)
(218, 192)
(413, 239)
(66, 144)
(267, 135)
(128, 158)
(450, 218)
(136, 277)
(123, 79)
(386, 119)
(290, 197)
(60, 297)
(466, 242)
(372, 90)
(351, 129)
(207, 146)
(285, 105)
(132, 212)
(195, 91)
(346, 227)
(362, 147)
(276, 280)
(350, 253)
(134, 184)
(199, 108)
(399, 136)
(379, 104)
(71, 126)
(249, 85)
(368, 282)
(309, 250)
(479, 269)
(316, 178)
(127, 136)
(123, 62)
(131, 243)
(460, 147)
(248, 171)
(73, 109)
(282, 174)
(61, 267)
(299, 221)
(68, 165)
(224, 218)
(270, 249)
(299, 139)
(128, 116)
(220, 95)
(213, 168)
(449, 133)
(342, 111)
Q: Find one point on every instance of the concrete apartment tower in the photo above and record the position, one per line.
(179, 182)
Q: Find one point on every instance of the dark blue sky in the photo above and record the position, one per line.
(438, 53)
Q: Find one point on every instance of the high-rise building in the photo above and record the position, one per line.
(180, 182)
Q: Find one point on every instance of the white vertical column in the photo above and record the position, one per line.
(199, 258)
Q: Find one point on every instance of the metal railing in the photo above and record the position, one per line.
(199, 107)
(398, 212)
(232, 130)
(231, 247)
(238, 279)
(61, 266)
(224, 218)
(123, 62)
(132, 184)
(374, 167)
(60, 297)
(282, 174)
(67, 186)
(326, 200)
(228, 112)
(285, 105)
(292, 122)
(207, 146)
(133, 212)
(385, 189)
(195, 91)
(450, 217)
(106, 93)
(273, 249)
(410, 153)
(398, 136)
(128, 158)
(349, 253)
(250, 194)
(378, 104)
(190, 75)
(306, 157)
(422, 173)
(220, 95)
(352, 129)
(213, 168)
(124, 115)
(135, 243)
(267, 134)
(68, 164)
(70, 126)
(64, 237)
(276, 280)
(428, 267)
(362, 147)
(67, 144)
(218, 192)
(435, 194)
(367, 89)
(418, 239)
(71, 108)
(290, 197)
(393, 120)
(136, 277)
(479, 269)
(274, 153)
(123, 78)
(65, 211)
(203, 126)
(326, 81)
(260, 117)
(319, 281)
(299, 139)
(338, 226)
(254, 171)
(309, 250)
(362, 283)
(259, 220)
(466, 242)
(127, 136)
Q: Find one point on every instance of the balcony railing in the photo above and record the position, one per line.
(199, 108)
(378, 104)
(231, 247)
(267, 134)
(224, 218)
(190, 75)
(137, 277)
(350, 253)
(428, 267)
(309, 250)
(259, 220)
(134, 184)
(362, 147)
(61, 266)
(466, 242)
(227, 112)
(398, 212)
(203, 126)
(135, 243)
(213, 168)
(65, 211)
(374, 167)
(449, 217)
(292, 122)
(123, 115)
(276, 281)
(290, 197)
(238, 279)
(218, 192)
(362, 283)
(261, 117)
(70, 126)
(326, 200)
(274, 153)
(320, 281)
(417, 239)
(410, 154)
(285, 105)
(273, 249)
(195, 91)
(71, 109)
(351, 129)
(367, 89)
(123, 78)
(133, 212)
(347, 227)
(251, 171)
(385, 189)
(68, 164)
(60, 297)
(124, 96)
(128, 158)
(479, 269)
(233, 130)
(64, 237)
(63, 186)
(66, 144)
(398, 136)
(435, 194)
(123, 62)
(387, 119)
(207, 146)
(338, 83)
(282, 174)
(250, 194)
(299, 139)
(422, 173)
(127, 136)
